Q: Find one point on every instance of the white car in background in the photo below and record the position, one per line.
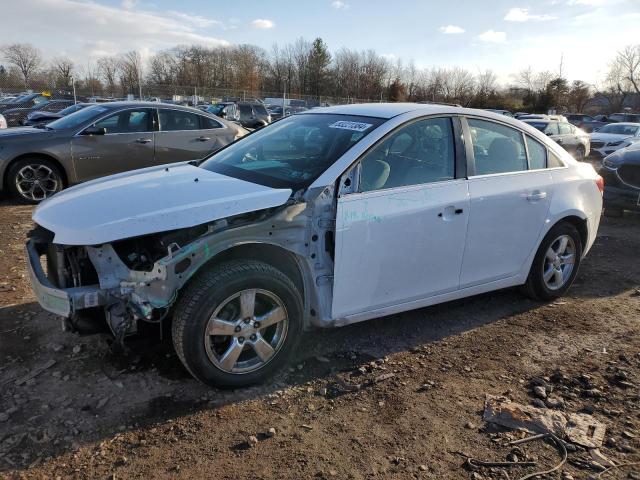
(324, 218)
(614, 136)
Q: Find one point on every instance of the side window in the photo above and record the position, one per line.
(497, 148)
(421, 152)
(565, 128)
(537, 154)
(616, 117)
(554, 161)
(127, 121)
(176, 120)
(207, 123)
(552, 129)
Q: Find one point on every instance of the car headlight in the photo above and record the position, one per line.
(3, 121)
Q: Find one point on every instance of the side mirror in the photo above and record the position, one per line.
(93, 130)
(549, 133)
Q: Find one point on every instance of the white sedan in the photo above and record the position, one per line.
(325, 218)
(614, 136)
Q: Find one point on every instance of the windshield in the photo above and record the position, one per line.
(71, 109)
(78, 118)
(619, 129)
(292, 152)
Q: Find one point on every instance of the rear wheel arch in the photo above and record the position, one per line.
(42, 156)
(580, 224)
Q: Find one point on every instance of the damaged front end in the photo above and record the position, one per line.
(127, 281)
(138, 279)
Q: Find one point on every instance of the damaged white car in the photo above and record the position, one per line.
(324, 218)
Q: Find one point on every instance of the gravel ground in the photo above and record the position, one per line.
(396, 397)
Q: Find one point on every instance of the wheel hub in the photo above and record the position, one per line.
(246, 330)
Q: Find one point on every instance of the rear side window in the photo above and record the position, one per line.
(537, 154)
(554, 161)
(207, 123)
(497, 148)
(260, 110)
(176, 120)
(565, 128)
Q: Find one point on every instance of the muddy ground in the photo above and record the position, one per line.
(397, 397)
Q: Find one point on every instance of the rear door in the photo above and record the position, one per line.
(401, 237)
(510, 191)
(185, 136)
(126, 145)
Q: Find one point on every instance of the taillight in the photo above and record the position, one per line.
(600, 184)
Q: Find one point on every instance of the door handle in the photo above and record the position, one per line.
(537, 195)
(450, 210)
(143, 140)
(203, 139)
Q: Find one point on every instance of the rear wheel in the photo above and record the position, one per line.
(32, 180)
(237, 323)
(556, 263)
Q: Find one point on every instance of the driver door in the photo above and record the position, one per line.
(128, 144)
(401, 236)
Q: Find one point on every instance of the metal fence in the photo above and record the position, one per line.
(86, 91)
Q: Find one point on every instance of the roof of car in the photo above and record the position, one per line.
(134, 103)
(631, 124)
(539, 120)
(389, 110)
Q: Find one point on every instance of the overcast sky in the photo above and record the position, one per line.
(503, 35)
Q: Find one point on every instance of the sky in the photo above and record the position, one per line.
(502, 35)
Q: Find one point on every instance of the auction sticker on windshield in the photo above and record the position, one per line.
(354, 126)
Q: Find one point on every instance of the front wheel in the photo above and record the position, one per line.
(556, 263)
(237, 323)
(34, 180)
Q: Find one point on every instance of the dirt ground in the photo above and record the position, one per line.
(397, 397)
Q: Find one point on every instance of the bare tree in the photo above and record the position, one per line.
(25, 57)
(627, 64)
(108, 68)
(63, 71)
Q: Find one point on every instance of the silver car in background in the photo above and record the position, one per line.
(571, 138)
(105, 139)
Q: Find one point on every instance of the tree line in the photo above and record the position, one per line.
(308, 69)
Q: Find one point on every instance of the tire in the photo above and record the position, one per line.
(221, 291)
(580, 153)
(540, 288)
(43, 176)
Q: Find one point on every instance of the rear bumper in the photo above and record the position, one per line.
(61, 301)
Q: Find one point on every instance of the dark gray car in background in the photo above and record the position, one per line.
(105, 139)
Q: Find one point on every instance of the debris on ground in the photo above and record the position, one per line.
(579, 428)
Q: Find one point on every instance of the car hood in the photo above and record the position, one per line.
(608, 137)
(18, 131)
(150, 200)
(38, 114)
(627, 156)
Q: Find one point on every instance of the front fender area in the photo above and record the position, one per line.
(286, 232)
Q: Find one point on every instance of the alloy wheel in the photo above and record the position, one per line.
(559, 262)
(35, 182)
(246, 331)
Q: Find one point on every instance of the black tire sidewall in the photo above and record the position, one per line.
(195, 353)
(13, 171)
(536, 274)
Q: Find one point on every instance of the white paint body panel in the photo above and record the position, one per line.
(147, 201)
(505, 222)
(392, 246)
